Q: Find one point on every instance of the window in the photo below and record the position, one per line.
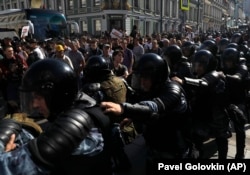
(15, 5)
(136, 3)
(71, 4)
(147, 4)
(147, 27)
(156, 27)
(166, 8)
(174, 7)
(84, 26)
(8, 6)
(97, 26)
(158, 7)
(50, 5)
(22, 5)
(97, 3)
(83, 3)
(59, 5)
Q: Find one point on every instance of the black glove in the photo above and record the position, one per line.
(7, 128)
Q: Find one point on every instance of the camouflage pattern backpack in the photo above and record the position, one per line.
(114, 89)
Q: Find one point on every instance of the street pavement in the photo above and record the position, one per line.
(232, 146)
(136, 152)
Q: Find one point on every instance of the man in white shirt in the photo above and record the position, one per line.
(37, 49)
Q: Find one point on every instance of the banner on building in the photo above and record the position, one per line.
(184, 4)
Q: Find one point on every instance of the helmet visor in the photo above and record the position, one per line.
(33, 104)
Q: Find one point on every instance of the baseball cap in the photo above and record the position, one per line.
(59, 47)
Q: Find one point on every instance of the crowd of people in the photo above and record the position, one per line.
(98, 94)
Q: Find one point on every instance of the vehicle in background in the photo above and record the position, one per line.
(42, 23)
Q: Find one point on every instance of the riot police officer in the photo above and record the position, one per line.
(207, 103)
(188, 49)
(209, 45)
(161, 109)
(236, 38)
(99, 77)
(178, 64)
(75, 141)
(235, 73)
(222, 45)
(101, 84)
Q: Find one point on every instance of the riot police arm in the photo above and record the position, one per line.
(7, 128)
(239, 75)
(195, 82)
(170, 99)
(61, 138)
(207, 80)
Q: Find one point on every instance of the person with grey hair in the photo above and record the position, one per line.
(77, 60)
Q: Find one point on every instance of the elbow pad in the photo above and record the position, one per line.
(65, 134)
(7, 128)
(137, 111)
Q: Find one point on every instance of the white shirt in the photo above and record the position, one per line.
(39, 53)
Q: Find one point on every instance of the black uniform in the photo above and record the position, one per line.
(162, 112)
(64, 147)
(207, 104)
(236, 88)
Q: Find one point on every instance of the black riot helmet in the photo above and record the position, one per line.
(244, 49)
(230, 55)
(209, 45)
(152, 66)
(232, 45)
(206, 59)
(188, 48)
(52, 79)
(96, 68)
(223, 44)
(173, 53)
(236, 38)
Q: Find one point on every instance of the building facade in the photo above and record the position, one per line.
(151, 16)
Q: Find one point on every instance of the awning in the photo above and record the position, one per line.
(10, 34)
